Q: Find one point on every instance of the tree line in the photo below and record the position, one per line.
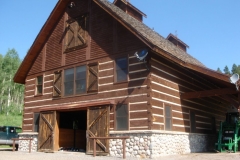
(235, 69)
(11, 94)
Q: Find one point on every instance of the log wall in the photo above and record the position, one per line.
(107, 40)
(168, 81)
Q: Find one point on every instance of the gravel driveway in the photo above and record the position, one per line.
(9, 155)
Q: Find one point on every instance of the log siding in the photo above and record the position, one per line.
(147, 91)
(167, 83)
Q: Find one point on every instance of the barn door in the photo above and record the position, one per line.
(47, 123)
(98, 126)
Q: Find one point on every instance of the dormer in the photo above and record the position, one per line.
(177, 42)
(127, 7)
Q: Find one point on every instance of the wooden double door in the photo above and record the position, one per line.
(97, 126)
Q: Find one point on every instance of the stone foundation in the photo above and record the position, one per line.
(24, 144)
(157, 143)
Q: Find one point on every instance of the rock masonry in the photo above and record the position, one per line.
(24, 144)
(155, 144)
(145, 144)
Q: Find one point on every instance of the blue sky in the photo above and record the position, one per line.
(211, 28)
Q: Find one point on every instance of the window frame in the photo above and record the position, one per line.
(115, 117)
(37, 85)
(88, 89)
(192, 121)
(74, 80)
(71, 81)
(36, 114)
(171, 127)
(115, 69)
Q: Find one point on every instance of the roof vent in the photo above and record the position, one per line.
(127, 7)
(177, 42)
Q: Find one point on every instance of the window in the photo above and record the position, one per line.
(168, 118)
(76, 36)
(192, 122)
(122, 117)
(68, 81)
(121, 72)
(36, 122)
(79, 80)
(39, 85)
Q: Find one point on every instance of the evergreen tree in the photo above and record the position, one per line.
(234, 68)
(219, 70)
(226, 70)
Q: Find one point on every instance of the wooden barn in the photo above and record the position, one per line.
(85, 76)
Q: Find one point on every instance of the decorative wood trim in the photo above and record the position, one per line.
(80, 105)
(89, 32)
(64, 39)
(115, 37)
(44, 57)
(208, 93)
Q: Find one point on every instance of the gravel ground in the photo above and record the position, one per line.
(9, 155)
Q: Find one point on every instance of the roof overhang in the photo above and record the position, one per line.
(39, 41)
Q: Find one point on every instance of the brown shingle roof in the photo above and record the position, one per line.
(150, 35)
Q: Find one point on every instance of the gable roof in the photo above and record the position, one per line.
(151, 38)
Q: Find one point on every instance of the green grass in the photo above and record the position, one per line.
(5, 146)
(11, 120)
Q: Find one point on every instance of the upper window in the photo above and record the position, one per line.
(39, 85)
(68, 81)
(121, 69)
(76, 30)
(78, 80)
(75, 80)
(122, 117)
(168, 118)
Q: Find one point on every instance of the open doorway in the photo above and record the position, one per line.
(72, 131)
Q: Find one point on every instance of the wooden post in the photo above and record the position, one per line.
(13, 145)
(124, 148)
(94, 147)
(30, 143)
(123, 143)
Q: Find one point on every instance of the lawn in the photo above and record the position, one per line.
(5, 146)
(11, 120)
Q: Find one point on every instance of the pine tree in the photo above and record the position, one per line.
(219, 70)
(234, 68)
(226, 70)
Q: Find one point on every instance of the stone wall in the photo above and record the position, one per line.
(24, 144)
(155, 143)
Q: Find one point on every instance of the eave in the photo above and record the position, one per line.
(39, 41)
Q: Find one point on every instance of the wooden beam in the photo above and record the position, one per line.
(231, 100)
(208, 93)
